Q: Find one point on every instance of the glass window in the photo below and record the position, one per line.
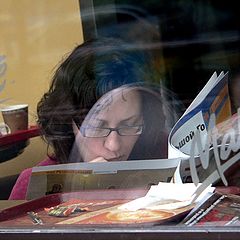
(118, 118)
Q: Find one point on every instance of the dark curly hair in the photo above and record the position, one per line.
(88, 72)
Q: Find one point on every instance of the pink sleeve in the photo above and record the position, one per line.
(19, 190)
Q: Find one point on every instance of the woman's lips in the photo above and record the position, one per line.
(114, 159)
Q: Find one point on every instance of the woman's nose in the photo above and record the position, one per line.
(113, 141)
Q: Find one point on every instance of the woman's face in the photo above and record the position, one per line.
(121, 108)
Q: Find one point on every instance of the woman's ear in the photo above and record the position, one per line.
(75, 128)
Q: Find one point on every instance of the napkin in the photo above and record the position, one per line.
(167, 196)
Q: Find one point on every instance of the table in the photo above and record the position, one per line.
(10, 203)
(11, 145)
(166, 232)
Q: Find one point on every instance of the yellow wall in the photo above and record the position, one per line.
(35, 34)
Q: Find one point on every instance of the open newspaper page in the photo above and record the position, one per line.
(102, 175)
(165, 203)
(193, 135)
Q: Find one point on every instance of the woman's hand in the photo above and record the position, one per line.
(98, 159)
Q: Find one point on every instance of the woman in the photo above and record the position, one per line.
(101, 106)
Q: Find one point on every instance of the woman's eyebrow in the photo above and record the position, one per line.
(134, 117)
(98, 120)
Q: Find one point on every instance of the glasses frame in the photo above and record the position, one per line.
(82, 130)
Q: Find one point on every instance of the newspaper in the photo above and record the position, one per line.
(102, 175)
(198, 135)
(187, 142)
(212, 99)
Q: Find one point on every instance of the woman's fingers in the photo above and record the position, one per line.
(98, 159)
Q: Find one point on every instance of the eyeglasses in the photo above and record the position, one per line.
(95, 132)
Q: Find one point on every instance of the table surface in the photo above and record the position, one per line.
(91, 233)
(10, 203)
(11, 145)
(19, 136)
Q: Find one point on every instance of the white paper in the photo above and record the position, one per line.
(167, 196)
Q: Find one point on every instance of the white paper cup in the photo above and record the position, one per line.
(16, 117)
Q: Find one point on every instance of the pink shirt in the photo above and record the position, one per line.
(19, 190)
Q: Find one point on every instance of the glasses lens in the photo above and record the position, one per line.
(128, 131)
(95, 132)
(103, 132)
